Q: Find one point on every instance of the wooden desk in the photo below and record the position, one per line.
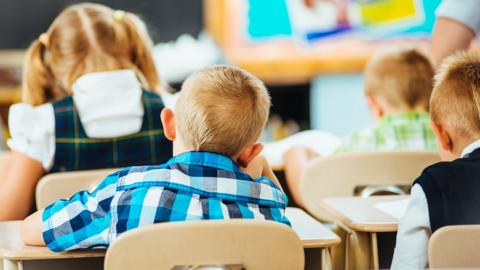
(312, 233)
(358, 215)
(14, 253)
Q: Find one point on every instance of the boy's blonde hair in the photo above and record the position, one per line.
(222, 109)
(456, 94)
(86, 38)
(403, 77)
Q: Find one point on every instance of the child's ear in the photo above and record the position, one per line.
(443, 137)
(168, 121)
(377, 110)
(248, 154)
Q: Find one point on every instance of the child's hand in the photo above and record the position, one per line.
(259, 167)
(298, 153)
(31, 231)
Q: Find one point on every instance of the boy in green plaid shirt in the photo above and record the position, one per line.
(398, 84)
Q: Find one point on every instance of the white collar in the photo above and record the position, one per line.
(109, 103)
(470, 148)
(119, 79)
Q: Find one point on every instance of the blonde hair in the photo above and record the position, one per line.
(86, 38)
(403, 77)
(456, 94)
(222, 109)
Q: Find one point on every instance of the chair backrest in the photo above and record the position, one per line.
(250, 244)
(62, 185)
(455, 247)
(339, 175)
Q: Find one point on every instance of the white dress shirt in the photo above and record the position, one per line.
(109, 105)
(464, 11)
(414, 231)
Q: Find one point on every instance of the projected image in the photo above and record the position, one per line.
(331, 18)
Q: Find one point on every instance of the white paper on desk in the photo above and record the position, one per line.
(321, 142)
(395, 209)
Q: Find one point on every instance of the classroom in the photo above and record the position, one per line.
(239, 134)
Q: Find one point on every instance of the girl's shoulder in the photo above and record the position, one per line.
(32, 131)
(23, 114)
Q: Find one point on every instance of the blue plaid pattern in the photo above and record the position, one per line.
(190, 186)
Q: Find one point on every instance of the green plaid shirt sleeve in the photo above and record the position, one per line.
(409, 131)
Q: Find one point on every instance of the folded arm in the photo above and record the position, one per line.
(85, 217)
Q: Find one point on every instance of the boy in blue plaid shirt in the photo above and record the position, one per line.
(215, 173)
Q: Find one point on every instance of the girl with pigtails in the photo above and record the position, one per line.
(89, 101)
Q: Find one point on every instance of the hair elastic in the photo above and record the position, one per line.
(44, 39)
(118, 15)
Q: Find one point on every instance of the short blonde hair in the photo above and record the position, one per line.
(456, 94)
(222, 109)
(86, 38)
(403, 77)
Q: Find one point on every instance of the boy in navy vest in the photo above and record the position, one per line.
(215, 173)
(446, 193)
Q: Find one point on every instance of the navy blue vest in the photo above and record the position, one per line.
(453, 191)
(74, 150)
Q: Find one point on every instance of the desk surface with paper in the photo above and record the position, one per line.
(373, 214)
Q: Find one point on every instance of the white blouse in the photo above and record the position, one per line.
(109, 105)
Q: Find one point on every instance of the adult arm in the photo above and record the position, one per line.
(448, 37)
(457, 24)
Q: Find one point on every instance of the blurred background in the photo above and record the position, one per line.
(311, 59)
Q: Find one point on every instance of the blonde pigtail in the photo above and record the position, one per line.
(141, 50)
(37, 84)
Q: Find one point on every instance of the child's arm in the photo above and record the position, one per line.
(85, 217)
(19, 177)
(32, 230)
(295, 162)
(411, 250)
(259, 167)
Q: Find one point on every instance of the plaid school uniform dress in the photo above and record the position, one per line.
(74, 150)
(408, 131)
(190, 186)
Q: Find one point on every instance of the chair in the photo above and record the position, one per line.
(207, 244)
(378, 172)
(455, 247)
(63, 185)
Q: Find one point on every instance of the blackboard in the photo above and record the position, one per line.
(21, 21)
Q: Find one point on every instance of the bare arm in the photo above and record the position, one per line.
(259, 167)
(32, 230)
(17, 186)
(448, 37)
(295, 162)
